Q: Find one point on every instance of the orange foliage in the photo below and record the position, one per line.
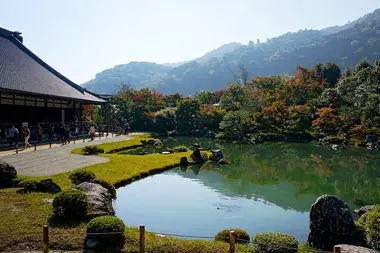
(87, 112)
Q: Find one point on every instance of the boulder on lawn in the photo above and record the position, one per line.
(48, 186)
(99, 197)
(7, 174)
(331, 223)
(216, 155)
(362, 210)
(197, 157)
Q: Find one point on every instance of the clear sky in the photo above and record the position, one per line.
(80, 38)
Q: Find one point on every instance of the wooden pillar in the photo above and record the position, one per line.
(46, 239)
(142, 239)
(232, 241)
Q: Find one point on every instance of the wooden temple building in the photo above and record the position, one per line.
(32, 91)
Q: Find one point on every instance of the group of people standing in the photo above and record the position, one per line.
(13, 136)
(54, 132)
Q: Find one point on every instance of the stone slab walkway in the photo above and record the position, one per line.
(47, 161)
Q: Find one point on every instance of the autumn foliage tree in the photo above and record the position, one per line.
(326, 120)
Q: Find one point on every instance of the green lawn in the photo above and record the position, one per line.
(22, 216)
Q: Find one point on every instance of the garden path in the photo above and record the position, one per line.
(47, 161)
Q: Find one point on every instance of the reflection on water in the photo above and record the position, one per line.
(268, 187)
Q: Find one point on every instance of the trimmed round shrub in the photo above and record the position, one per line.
(92, 150)
(275, 243)
(29, 184)
(369, 225)
(110, 187)
(105, 224)
(81, 176)
(72, 204)
(241, 236)
(114, 241)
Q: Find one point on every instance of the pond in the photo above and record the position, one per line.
(268, 188)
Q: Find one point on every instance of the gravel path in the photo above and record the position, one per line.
(58, 159)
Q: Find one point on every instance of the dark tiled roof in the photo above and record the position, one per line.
(22, 71)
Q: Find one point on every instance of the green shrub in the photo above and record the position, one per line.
(241, 236)
(17, 181)
(178, 149)
(92, 150)
(29, 184)
(81, 176)
(110, 187)
(369, 225)
(275, 242)
(106, 224)
(71, 204)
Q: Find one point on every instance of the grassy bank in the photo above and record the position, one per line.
(22, 216)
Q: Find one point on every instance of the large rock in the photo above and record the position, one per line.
(371, 138)
(223, 161)
(45, 186)
(345, 248)
(331, 223)
(362, 210)
(216, 155)
(99, 197)
(196, 156)
(299, 137)
(7, 174)
(184, 161)
(48, 186)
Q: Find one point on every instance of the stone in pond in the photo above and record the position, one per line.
(216, 155)
(184, 161)
(99, 197)
(223, 161)
(331, 223)
(196, 156)
(7, 174)
(362, 210)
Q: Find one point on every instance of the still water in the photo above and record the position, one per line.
(267, 188)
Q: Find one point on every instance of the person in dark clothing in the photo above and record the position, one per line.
(39, 132)
(12, 136)
(50, 132)
(66, 134)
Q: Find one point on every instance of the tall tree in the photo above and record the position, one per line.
(331, 72)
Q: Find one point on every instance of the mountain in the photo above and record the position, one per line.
(346, 45)
(218, 52)
(138, 74)
(144, 74)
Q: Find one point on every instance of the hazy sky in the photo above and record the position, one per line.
(80, 38)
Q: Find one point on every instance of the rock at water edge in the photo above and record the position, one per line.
(331, 223)
(99, 197)
(216, 155)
